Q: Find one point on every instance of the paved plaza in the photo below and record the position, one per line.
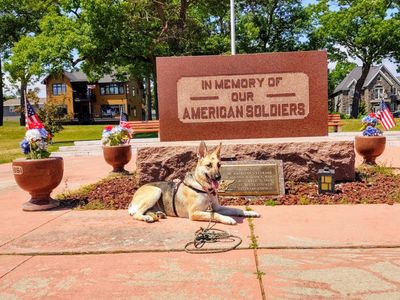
(303, 252)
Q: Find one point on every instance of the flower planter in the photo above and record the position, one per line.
(117, 157)
(370, 147)
(39, 177)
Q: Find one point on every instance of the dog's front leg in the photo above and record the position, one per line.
(215, 217)
(230, 211)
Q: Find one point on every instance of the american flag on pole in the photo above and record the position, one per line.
(385, 116)
(123, 119)
(30, 115)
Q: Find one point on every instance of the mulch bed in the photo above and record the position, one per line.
(372, 186)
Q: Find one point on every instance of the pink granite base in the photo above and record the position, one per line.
(301, 160)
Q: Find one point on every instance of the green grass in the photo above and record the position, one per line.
(355, 125)
(11, 135)
(270, 202)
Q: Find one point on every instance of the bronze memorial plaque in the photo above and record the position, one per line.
(252, 178)
(243, 96)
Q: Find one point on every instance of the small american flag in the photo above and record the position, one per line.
(123, 119)
(385, 116)
(30, 115)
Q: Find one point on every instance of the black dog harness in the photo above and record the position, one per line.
(211, 191)
(174, 197)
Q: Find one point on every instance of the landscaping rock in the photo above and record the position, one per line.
(301, 161)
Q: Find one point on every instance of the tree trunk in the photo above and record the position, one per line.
(148, 98)
(358, 89)
(1, 94)
(22, 93)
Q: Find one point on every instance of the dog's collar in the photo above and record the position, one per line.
(210, 191)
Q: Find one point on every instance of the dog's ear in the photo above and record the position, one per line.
(202, 151)
(217, 150)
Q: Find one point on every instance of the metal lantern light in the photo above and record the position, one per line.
(326, 180)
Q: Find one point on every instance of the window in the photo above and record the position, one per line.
(379, 93)
(111, 111)
(112, 89)
(59, 89)
(61, 111)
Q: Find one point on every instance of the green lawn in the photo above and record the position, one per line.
(355, 125)
(11, 134)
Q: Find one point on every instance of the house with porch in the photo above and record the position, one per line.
(380, 83)
(88, 102)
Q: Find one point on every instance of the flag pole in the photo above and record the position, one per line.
(26, 110)
(233, 38)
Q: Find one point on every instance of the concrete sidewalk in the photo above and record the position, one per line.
(304, 252)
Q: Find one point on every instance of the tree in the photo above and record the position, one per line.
(359, 29)
(125, 36)
(268, 26)
(18, 19)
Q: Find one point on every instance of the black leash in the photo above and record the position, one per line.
(211, 235)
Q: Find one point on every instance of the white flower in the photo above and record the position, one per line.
(42, 145)
(33, 135)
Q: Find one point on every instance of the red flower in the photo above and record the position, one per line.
(108, 128)
(126, 125)
(372, 115)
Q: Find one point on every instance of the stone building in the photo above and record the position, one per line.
(379, 84)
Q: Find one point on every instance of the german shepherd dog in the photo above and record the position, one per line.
(195, 197)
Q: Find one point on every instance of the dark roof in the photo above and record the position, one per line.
(79, 76)
(16, 101)
(355, 74)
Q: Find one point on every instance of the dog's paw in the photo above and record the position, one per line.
(228, 221)
(252, 214)
(148, 219)
(161, 215)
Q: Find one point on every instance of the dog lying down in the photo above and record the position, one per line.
(195, 197)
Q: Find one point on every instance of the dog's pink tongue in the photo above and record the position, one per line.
(215, 184)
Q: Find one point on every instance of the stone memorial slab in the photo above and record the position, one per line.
(252, 178)
(243, 96)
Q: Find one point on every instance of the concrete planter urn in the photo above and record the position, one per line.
(117, 156)
(370, 147)
(39, 177)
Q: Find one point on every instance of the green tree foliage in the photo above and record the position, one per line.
(125, 36)
(267, 26)
(18, 19)
(367, 30)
